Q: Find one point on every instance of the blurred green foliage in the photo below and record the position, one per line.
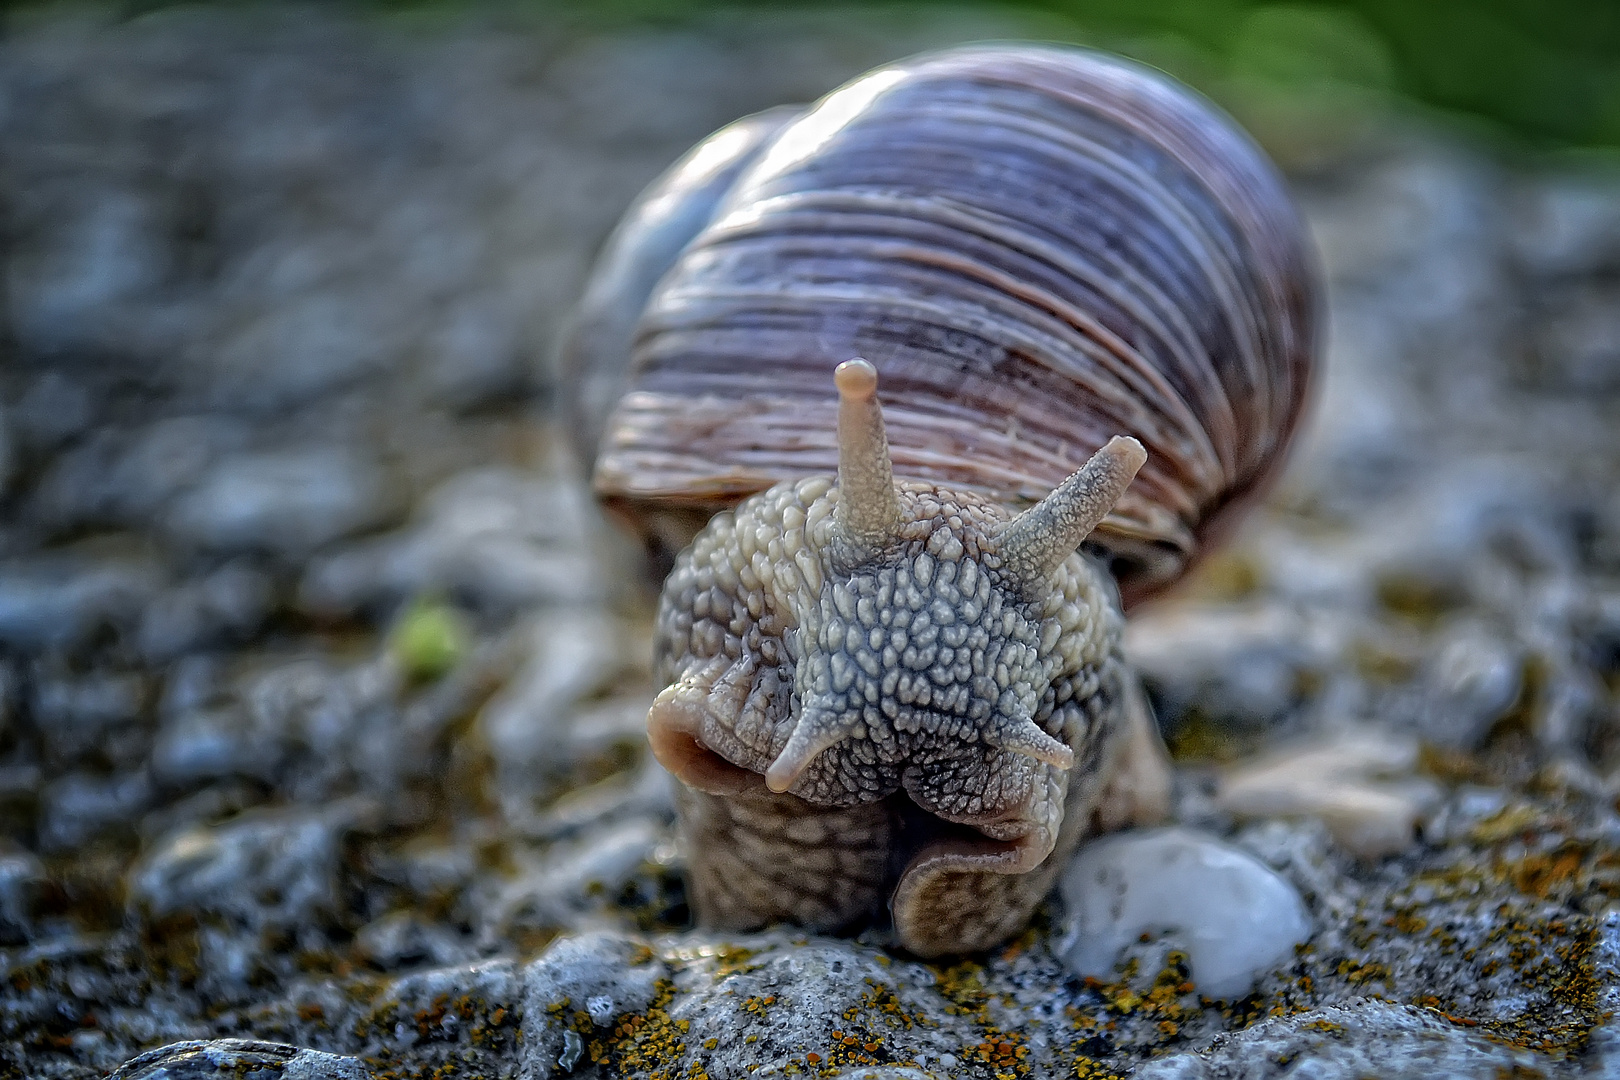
(1543, 74)
(429, 638)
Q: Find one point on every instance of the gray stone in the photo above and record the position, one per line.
(570, 883)
(1471, 683)
(8, 451)
(737, 1007)
(77, 807)
(288, 501)
(496, 538)
(1604, 1049)
(312, 341)
(1360, 781)
(572, 654)
(648, 795)
(22, 879)
(118, 477)
(228, 604)
(1567, 224)
(58, 601)
(54, 409)
(80, 717)
(405, 939)
(570, 973)
(1575, 350)
(308, 726)
(222, 1058)
(1244, 666)
(263, 870)
(213, 743)
(1372, 1038)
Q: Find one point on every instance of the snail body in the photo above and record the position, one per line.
(892, 681)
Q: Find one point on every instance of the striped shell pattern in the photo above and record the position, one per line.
(1037, 249)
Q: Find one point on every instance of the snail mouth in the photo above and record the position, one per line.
(672, 731)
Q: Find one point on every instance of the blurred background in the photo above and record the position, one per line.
(315, 658)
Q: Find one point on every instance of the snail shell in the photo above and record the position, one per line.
(1039, 248)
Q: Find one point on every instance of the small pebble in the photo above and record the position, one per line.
(573, 1050)
(601, 1009)
(1360, 783)
(1235, 917)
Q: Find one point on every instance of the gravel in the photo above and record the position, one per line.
(321, 680)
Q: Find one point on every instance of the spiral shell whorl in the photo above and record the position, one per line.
(1039, 248)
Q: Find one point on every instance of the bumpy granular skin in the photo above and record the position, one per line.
(916, 660)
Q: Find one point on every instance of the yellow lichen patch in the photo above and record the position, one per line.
(1506, 823)
(867, 1027)
(962, 985)
(1004, 1052)
(485, 1029)
(1406, 922)
(756, 1006)
(1557, 958)
(1202, 738)
(647, 1043)
(733, 960)
(1360, 973)
(1167, 1002)
(1224, 577)
(1547, 873)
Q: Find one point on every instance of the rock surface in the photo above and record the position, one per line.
(198, 1060)
(321, 683)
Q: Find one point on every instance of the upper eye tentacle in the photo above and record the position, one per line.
(868, 508)
(1037, 541)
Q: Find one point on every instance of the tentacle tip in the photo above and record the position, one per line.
(1029, 740)
(1051, 753)
(1127, 451)
(782, 774)
(1059, 759)
(856, 379)
(809, 741)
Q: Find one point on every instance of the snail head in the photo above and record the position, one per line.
(922, 652)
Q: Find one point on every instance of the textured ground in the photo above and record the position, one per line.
(321, 684)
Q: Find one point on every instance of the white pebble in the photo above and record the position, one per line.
(1235, 917)
(601, 1009)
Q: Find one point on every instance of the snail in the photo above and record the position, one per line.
(890, 643)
